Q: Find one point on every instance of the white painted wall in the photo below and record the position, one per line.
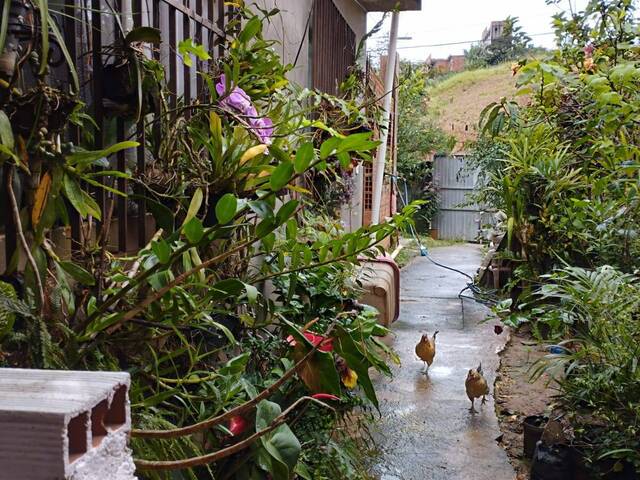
(288, 29)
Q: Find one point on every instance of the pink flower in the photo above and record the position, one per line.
(326, 344)
(324, 396)
(588, 50)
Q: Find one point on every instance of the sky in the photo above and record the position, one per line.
(463, 21)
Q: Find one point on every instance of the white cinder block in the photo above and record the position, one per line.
(57, 425)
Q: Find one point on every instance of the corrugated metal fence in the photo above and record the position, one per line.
(457, 219)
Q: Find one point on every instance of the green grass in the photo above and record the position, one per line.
(468, 77)
(412, 249)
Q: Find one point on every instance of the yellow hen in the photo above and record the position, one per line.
(476, 386)
(426, 349)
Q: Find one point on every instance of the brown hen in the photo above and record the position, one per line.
(476, 386)
(426, 349)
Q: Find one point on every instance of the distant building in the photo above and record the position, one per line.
(454, 63)
(493, 32)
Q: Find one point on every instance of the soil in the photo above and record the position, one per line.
(516, 397)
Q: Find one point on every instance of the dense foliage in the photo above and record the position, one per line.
(565, 171)
(238, 321)
(419, 138)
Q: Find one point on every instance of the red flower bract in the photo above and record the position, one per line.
(324, 396)
(237, 425)
(326, 344)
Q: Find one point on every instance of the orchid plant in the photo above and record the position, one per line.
(214, 318)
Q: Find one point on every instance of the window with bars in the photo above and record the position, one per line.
(367, 193)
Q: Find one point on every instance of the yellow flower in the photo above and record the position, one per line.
(349, 378)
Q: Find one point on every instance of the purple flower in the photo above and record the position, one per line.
(240, 102)
(236, 100)
(263, 127)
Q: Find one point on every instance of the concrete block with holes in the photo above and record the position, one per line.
(57, 425)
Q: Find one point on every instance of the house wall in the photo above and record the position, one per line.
(289, 30)
(355, 16)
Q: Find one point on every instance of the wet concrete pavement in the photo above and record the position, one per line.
(426, 430)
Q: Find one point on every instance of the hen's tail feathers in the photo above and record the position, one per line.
(435, 333)
(479, 369)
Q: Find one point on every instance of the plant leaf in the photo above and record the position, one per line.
(226, 208)
(143, 34)
(304, 157)
(194, 205)
(83, 158)
(281, 176)
(78, 273)
(40, 200)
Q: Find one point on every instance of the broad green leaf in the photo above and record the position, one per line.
(187, 47)
(281, 176)
(266, 413)
(162, 250)
(304, 157)
(236, 365)
(143, 34)
(292, 229)
(265, 227)
(284, 446)
(226, 208)
(285, 211)
(193, 230)
(78, 273)
(250, 30)
(230, 287)
(268, 241)
(329, 147)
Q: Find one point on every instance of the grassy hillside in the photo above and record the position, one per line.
(458, 100)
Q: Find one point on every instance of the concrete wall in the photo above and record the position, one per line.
(288, 29)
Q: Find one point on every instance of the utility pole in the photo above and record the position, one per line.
(384, 125)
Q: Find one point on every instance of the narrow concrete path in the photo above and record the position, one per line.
(426, 430)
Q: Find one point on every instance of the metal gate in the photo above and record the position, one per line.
(456, 219)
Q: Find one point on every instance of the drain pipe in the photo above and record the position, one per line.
(384, 125)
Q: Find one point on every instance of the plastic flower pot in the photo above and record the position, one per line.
(552, 462)
(533, 427)
(556, 349)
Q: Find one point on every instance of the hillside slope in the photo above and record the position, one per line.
(458, 100)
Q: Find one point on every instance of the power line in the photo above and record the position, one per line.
(463, 43)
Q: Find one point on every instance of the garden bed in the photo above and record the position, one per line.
(516, 397)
